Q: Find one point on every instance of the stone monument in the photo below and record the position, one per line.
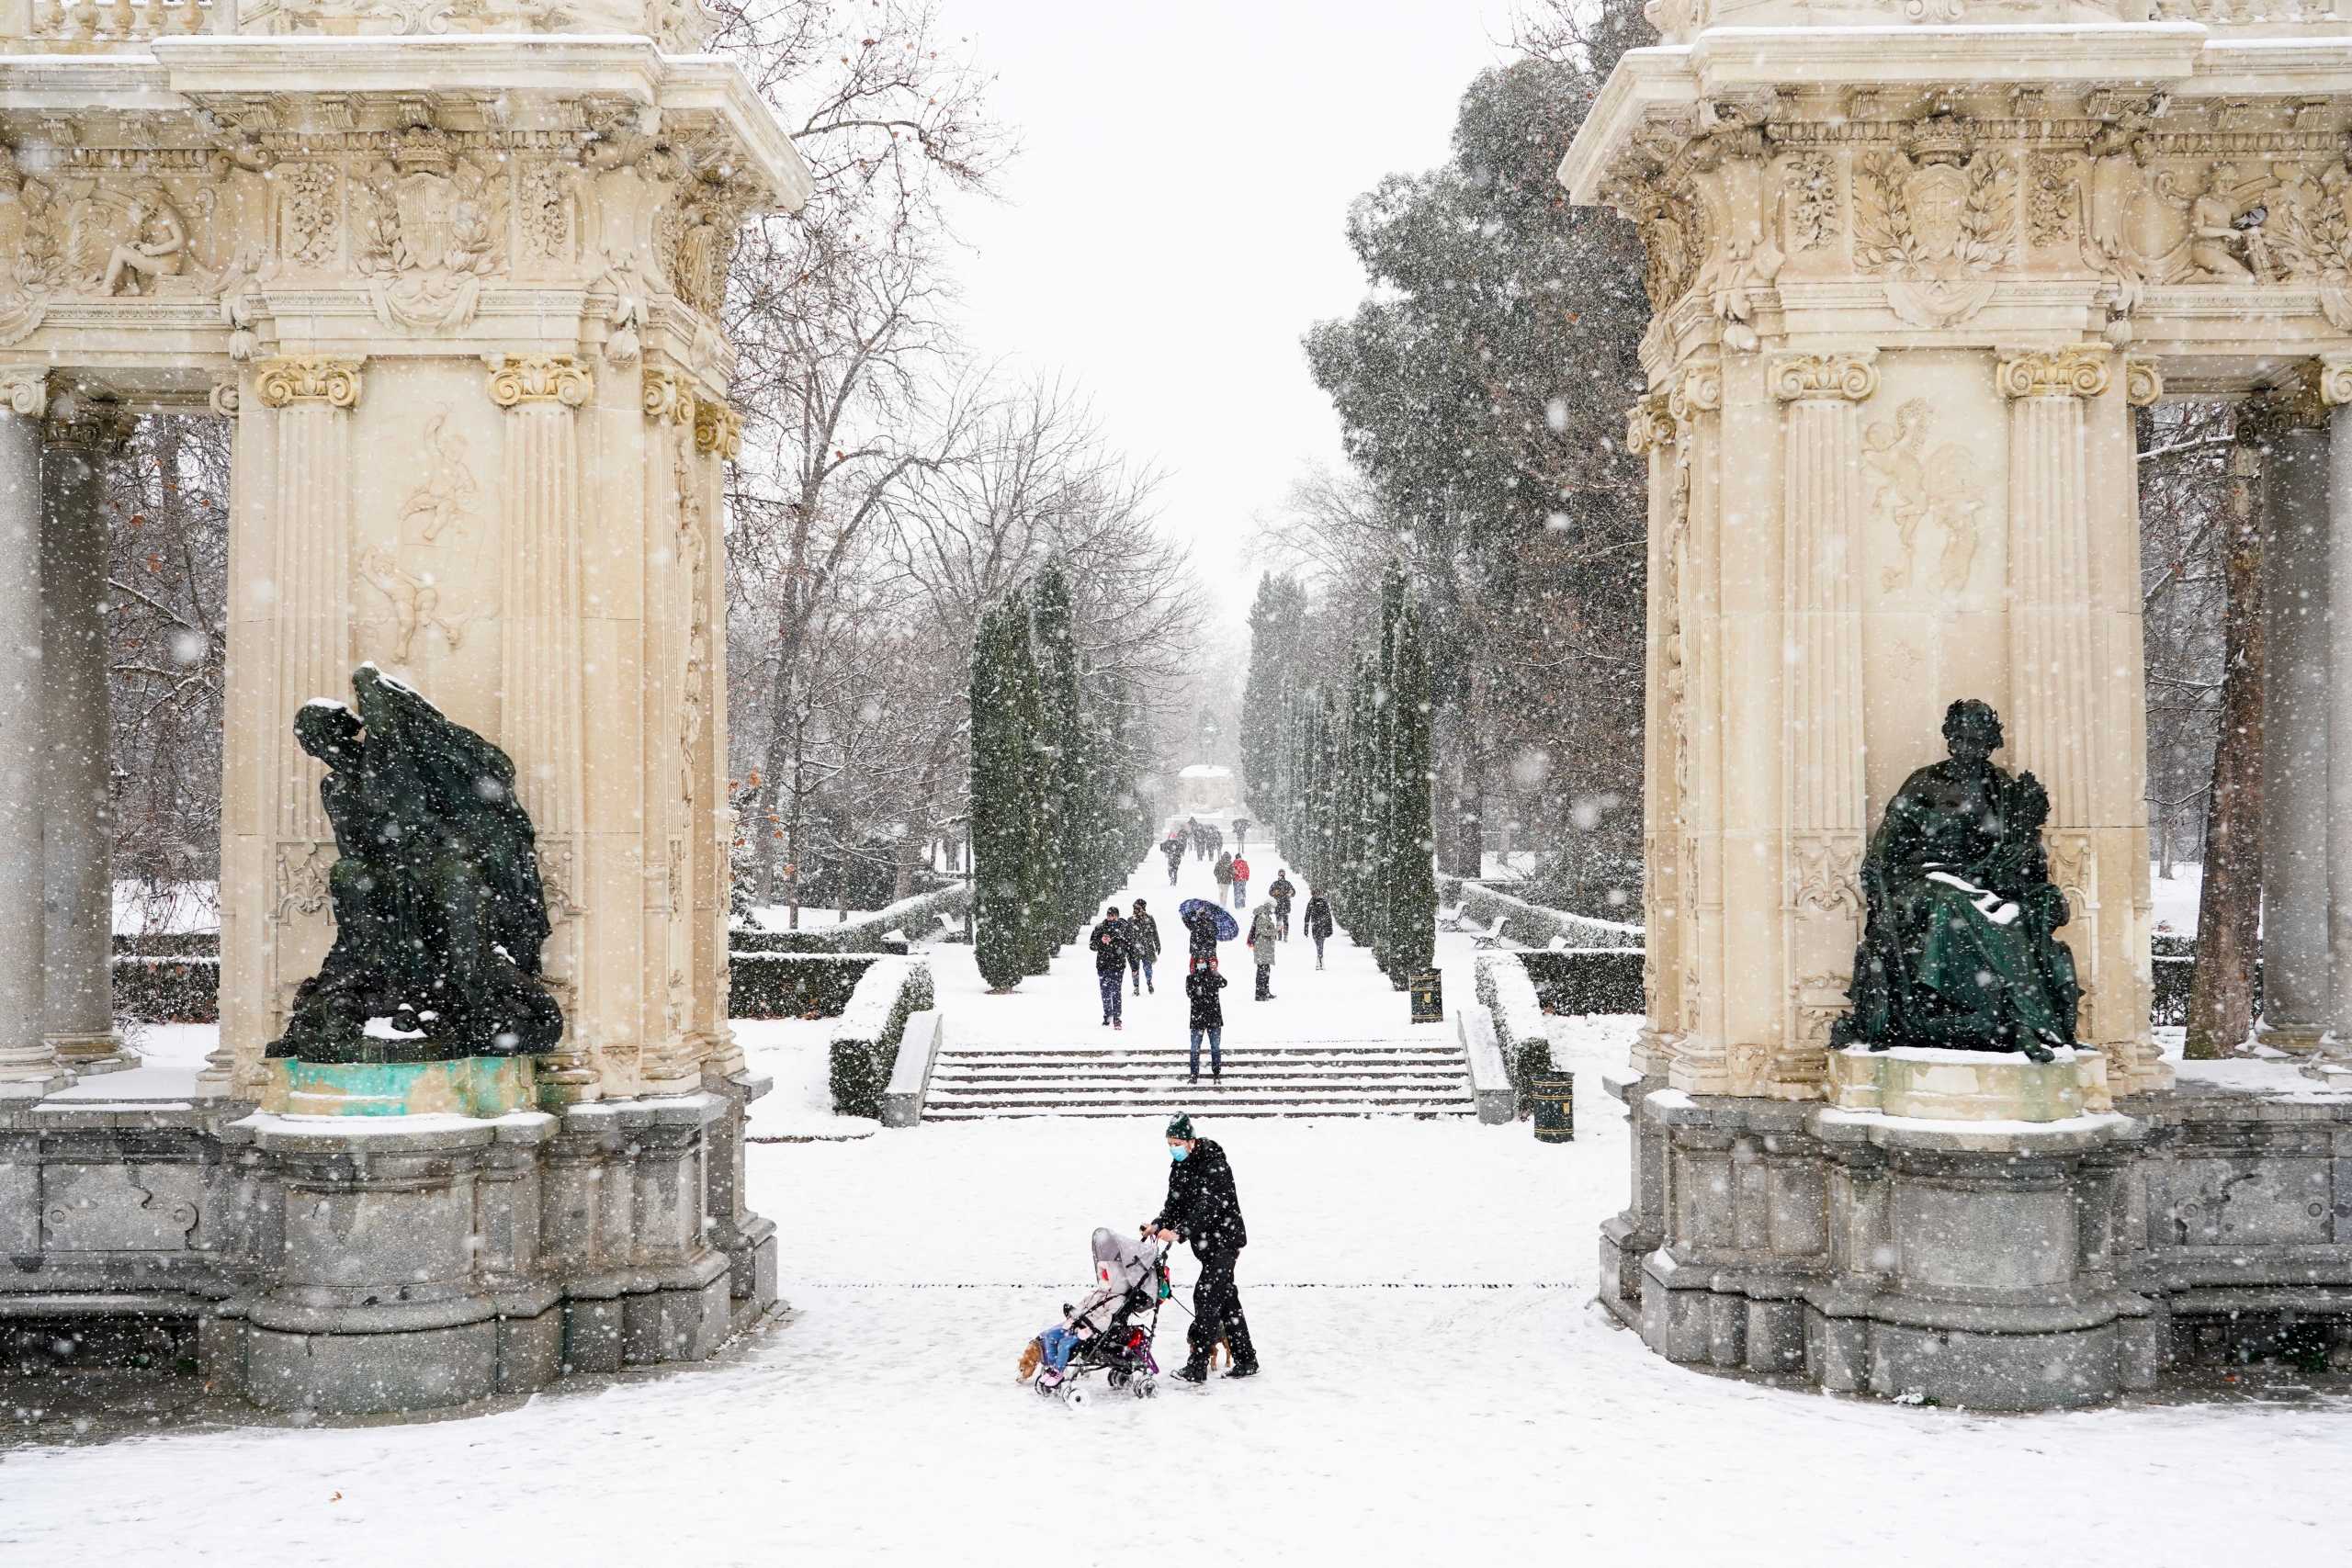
(456, 281)
(1911, 271)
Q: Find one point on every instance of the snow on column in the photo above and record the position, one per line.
(2295, 987)
(77, 797)
(540, 675)
(2063, 663)
(28, 1066)
(1822, 508)
(1649, 432)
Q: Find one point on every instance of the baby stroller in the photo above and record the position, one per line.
(1130, 1278)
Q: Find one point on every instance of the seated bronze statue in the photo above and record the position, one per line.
(1960, 944)
(439, 914)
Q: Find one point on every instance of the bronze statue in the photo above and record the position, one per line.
(438, 911)
(1960, 946)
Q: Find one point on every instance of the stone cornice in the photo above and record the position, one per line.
(304, 379)
(2054, 373)
(1851, 377)
(521, 380)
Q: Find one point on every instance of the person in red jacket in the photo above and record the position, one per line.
(1240, 883)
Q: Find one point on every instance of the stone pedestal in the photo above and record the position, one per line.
(1968, 1086)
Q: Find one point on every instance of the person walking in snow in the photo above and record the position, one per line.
(1200, 838)
(1317, 922)
(1202, 1208)
(1201, 928)
(1282, 891)
(1206, 1014)
(1223, 872)
(1143, 947)
(1110, 942)
(1240, 883)
(1173, 848)
(1262, 937)
(1240, 834)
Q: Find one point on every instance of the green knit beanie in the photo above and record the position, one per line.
(1180, 1127)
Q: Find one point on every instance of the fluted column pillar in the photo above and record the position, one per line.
(289, 638)
(540, 674)
(2296, 989)
(1701, 1052)
(2332, 382)
(28, 1069)
(2073, 606)
(1650, 433)
(1823, 508)
(77, 792)
(719, 440)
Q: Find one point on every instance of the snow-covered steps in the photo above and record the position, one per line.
(1370, 1078)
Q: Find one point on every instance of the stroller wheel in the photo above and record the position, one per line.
(1116, 1378)
(1075, 1398)
(1145, 1388)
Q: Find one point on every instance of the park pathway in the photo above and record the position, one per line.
(1334, 1041)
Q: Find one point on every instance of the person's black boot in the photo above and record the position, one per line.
(1243, 1370)
(1193, 1371)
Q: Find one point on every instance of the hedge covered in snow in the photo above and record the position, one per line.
(916, 920)
(865, 1040)
(1508, 994)
(1523, 924)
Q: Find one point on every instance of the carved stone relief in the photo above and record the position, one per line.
(429, 226)
(1935, 227)
(1920, 482)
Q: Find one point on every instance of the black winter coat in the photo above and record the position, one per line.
(1109, 939)
(1143, 936)
(1173, 849)
(1319, 916)
(1201, 988)
(1201, 1206)
(1282, 891)
(1202, 930)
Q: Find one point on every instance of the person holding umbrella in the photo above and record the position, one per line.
(1207, 925)
(1173, 848)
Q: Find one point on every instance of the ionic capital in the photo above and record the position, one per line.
(2333, 372)
(85, 425)
(2077, 372)
(308, 378)
(718, 428)
(2142, 382)
(669, 399)
(224, 398)
(1851, 377)
(522, 381)
(1699, 390)
(1649, 424)
(23, 392)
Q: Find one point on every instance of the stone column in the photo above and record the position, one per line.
(541, 672)
(28, 1067)
(1821, 512)
(2070, 611)
(289, 641)
(1699, 1058)
(2333, 384)
(1650, 433)
(2295, 983)
(719, 440)
(77, 792)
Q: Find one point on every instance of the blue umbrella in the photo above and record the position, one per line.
(1227, 930)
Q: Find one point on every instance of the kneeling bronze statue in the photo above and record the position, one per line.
(439, 914)
(1959, 945)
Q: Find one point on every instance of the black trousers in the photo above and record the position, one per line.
(1217, 1312)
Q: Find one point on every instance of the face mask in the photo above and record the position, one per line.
(1177, 1151)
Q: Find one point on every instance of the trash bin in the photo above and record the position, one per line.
(1429, 998)
(1555, 1097)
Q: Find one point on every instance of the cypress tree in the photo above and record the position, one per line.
(1041, 921)
(1262, 699)
(999, 809)
(1069, 811)
(1412, 877)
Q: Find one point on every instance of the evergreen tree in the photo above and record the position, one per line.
(1041, 921)
(1262, 699)
(1001, 799)
(1413, 876)
(1380, 849)
(1069, 814)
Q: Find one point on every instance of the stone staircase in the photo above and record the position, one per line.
(1324, 1078)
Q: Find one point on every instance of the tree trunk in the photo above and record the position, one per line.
(2229, 906)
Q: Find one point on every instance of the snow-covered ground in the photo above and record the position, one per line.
(1438, 1388)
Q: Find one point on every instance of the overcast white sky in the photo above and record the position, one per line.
(1174, 220)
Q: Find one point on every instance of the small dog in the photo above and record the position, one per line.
(1224, 1350)
(1032, 1355)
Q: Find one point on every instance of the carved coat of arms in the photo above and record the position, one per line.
(1935, 228)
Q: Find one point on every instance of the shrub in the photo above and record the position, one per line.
(866, 1042)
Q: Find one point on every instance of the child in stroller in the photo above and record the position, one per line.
(1097, 1335)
